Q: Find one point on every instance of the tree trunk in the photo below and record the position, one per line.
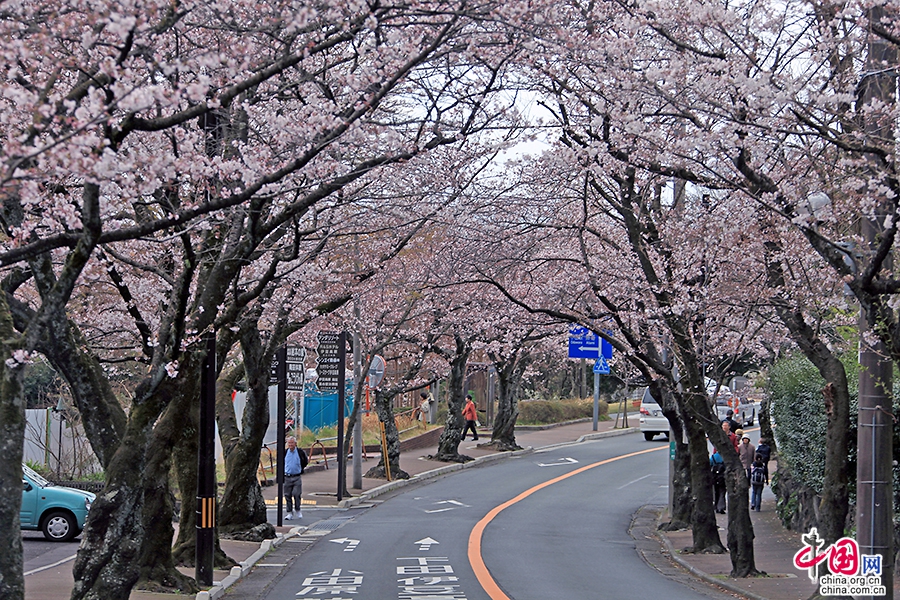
(835, 499)
(12, 436)
(683, 500)
(156, 561)
(385, 413)
(243, 506)
(705, 531)
(448, 446)
(765, 424)
(509, 378)
(740, 527)
(107, 562)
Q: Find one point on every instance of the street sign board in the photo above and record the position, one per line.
(584, 343)
(296, 369)
(327, 360)
(601, 366)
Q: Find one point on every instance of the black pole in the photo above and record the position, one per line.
(281, 373)
(206, 463)
(342, 377)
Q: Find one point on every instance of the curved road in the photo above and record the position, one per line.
(548, 525)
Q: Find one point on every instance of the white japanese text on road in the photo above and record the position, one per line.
(428, 578)
(332, 584)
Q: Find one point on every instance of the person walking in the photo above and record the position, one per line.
(425, 402)
(759, 477)
(717, 468)
(747, 453)
(470, 415)
(295, 461)
(731, 436)
(732, 424)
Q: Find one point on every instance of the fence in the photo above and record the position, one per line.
(56, 441)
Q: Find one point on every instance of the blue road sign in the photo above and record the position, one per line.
(584, 343)
(601, 366)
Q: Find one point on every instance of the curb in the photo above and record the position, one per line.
(674, 555)
(237, 572)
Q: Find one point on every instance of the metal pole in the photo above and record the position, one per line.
(357, 428)
(596, 400)
(281, 375)
(206, 467)
(874, 506)
(342, 377)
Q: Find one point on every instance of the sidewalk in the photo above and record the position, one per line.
(774, 547)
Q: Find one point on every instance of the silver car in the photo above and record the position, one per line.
(652, 419)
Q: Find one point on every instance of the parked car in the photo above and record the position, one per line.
(59, 512)
(652, 419)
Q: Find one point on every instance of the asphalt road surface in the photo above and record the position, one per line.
(548, 525)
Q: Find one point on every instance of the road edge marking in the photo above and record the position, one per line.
(482, 574)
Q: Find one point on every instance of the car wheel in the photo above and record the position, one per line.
(648, 435)
(59, 527)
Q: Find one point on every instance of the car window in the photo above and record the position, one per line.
(32, 474)
(648, 399)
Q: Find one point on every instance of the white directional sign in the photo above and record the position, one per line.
(426, 544)
(327, 360)
(351, 544)
(562, 461)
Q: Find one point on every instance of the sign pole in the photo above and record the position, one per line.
(206, 471)
(596, 399)
(281, 410)
(342, 376)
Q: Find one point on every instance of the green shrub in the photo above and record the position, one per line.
(542, 412)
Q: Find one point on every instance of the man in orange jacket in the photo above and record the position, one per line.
(470, 416)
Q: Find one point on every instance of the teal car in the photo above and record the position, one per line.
(59, 512)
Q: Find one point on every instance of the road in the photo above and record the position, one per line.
(38, 553)
(552, 524)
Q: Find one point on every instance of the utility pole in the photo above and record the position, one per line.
(874, 505)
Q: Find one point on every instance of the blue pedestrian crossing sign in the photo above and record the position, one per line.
(601, 367)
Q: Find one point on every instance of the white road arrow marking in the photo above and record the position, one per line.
(454, 502)
(351, 544)
(426, 544)
(562, 461)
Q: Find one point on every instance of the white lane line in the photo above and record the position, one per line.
(635, 481)
(44, 568)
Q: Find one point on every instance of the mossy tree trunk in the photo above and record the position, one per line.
(448, 446)
(384, 409)
(682, 491)
(510, 370)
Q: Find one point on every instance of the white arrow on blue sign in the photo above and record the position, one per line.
(584, 343)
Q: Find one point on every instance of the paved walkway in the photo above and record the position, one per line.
(774, 547)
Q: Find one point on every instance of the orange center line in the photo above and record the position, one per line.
(474, 549)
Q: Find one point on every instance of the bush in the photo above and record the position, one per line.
(542, 412)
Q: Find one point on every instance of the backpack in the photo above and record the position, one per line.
(757, 476)
(718, 472)
(304, 459)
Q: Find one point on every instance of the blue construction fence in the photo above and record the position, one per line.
(320, 408)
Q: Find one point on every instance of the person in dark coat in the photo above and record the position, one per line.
(759, 477)
(717, 468)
